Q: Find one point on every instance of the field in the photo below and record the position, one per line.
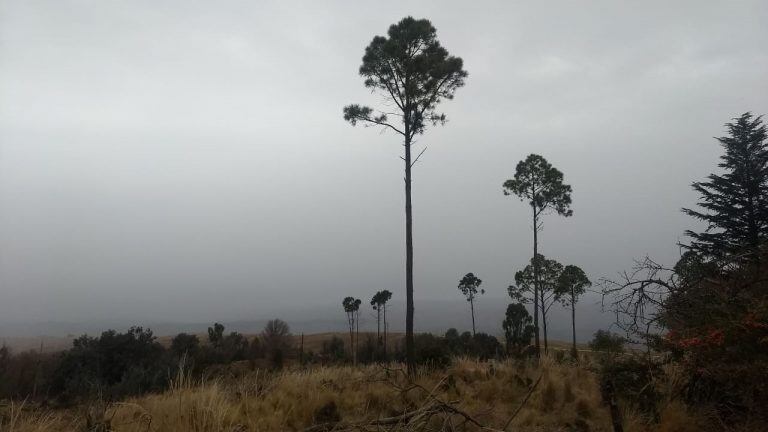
(468, 395)
(554, 394)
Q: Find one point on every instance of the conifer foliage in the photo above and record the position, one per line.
(734, 205)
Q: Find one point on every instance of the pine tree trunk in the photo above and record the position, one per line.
(357, 334)
(573, 323)
(536, 283)
(544, 322)
(409, 342)
(472, 307)
(352, 340)
(385, 331)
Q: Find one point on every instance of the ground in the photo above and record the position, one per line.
(467, 395)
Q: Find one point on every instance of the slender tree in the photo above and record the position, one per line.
(541, 184)
(734, 205)
(570, 286)
(544, 297)
(351, 307)
(386, 295)
(517, 327)
(379, 304)
(468, 285)
(376, 304)
(414, 73)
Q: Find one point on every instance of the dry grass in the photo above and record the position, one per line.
(18, 417)
(294, 400)
(567, 397)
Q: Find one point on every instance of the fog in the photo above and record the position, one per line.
(188, 161)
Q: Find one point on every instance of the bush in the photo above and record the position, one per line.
(185, 344)
(518, 329)
(431, 350)
(277, 341)
(112, 365)
(368, 351)
(484, 346)
(26, 374)
(481, 345)
(633, 380)
(333, 349)
(606, 341)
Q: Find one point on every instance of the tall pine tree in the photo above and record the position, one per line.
(735, 204)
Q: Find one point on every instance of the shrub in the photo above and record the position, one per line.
(606, 341)
(431, 349)
(277, 341)
(484, 346)
(113, 365)
(518, 328)
(185, 344)
(333, 349)
(26, 374)
(368, 351)
(633, 380)
(481, 345)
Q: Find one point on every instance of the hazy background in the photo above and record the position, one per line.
(184, 162)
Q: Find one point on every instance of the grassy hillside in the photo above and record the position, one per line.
(461, 397)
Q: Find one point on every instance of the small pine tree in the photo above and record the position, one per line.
(518, 328)
(543, 298)
(468, 285)
(571, 284)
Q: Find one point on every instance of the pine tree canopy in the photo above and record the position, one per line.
(542, 184)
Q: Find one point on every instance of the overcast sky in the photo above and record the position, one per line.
(188, 161)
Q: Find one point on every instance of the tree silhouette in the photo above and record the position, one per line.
(276, 336)
(414, 73)
(216, 335)
(570, 286)
(544, 297)
(735, 204)
(386, 295)
(376, 304)
(379, 304)
(468, 285)
(517, 328)
(184, 344)
(351, 307)
(541, 184)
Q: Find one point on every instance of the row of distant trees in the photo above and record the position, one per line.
(557, 284)
(542, 283)
(351, 307)
(116, 364)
